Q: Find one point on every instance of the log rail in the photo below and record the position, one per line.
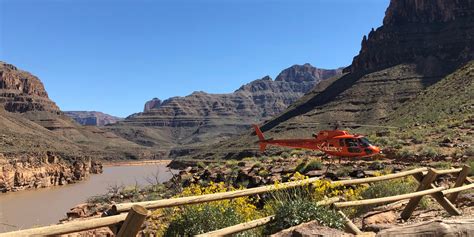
(129, 224)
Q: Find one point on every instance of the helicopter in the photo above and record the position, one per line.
(338, 143)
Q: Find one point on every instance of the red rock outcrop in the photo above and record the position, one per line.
(152, 104)
(26, 171)
(21, 92)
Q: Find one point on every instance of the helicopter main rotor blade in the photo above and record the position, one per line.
(346, 124)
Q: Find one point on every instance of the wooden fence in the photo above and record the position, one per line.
(129, 224)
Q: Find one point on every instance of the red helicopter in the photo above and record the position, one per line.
(332, 142)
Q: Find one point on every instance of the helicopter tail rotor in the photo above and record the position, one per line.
(261, 138)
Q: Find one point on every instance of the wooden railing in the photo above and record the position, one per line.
(129, 224)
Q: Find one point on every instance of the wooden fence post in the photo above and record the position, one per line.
(350, 227)
(132, 224)
(441, 199)
(459, 182)
(424, 184)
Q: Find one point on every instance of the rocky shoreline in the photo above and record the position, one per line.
(31, 171)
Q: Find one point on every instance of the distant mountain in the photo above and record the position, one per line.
(92, 118)
(202, 118)
(420, 43)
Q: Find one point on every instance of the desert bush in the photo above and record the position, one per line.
(315, 164)
(343, 171)
(389, 188)
(263, 173)
(470, 162)
(231, 164)
(291, 212)
(300, 168)
(469, 151)
(285, 154)
(442, 165)
(202, 218)
(430, 152)
(201, 165)
(257, 164)
(405, 153)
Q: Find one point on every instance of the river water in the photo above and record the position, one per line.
(24, 209)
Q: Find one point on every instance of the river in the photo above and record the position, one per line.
(24, 209)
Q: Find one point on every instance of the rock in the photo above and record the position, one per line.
(276, 170)
(152, 104)
(376, 166)
(26, 171)
(21, 92)
(310, 229)
(371, 219)
(357, 174)
(464, 227)
(315, 173)
(332, 176)
(426, 27)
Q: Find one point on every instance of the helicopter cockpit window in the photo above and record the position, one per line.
(364, 142)
(351, 142)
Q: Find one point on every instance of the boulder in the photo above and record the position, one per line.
(310, 229)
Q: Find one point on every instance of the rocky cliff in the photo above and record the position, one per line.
(203, 118)
(41, 170)
(92, 118)
(419, 44)
(33, 129)
(414, 31)
(21, 92)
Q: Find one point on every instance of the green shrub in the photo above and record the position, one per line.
(201, 219)
(470, 162)
(405, 153)
(201, 165)
(389, 188)
(442, 165)
(231, 163)
(430, 152)
(313, 165)
(263, 173)
(257, 164)
(300, 167)
(285, 155)
(296, 211)
(343, 171)
(469, 151)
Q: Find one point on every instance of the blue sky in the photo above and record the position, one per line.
(112, 56)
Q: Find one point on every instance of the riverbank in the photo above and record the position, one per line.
(41, 170)
(136, 163)
(20, 210)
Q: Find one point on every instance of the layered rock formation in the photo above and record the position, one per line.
(21, 92)
(40, 170)
(419, 30)
(32, 127)
(92, 118)
(202, 118)
(419, 44)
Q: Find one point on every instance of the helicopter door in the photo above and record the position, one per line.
(352, 145)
